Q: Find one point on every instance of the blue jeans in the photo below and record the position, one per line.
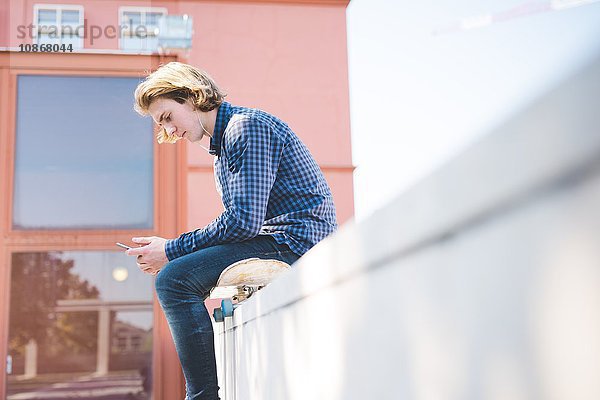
(181, 287)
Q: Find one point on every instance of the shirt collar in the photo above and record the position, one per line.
(223, 117)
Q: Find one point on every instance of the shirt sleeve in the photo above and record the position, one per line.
(253, 154)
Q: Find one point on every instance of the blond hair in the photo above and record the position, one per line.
(179, 82)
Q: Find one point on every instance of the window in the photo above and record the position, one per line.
(83, 158)
(139, 27)
(136, 342)
(58, 24)
(73, 143)
(64, 307)
(122, 343)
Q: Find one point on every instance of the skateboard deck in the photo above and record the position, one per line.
(240, 280)
(245, 276)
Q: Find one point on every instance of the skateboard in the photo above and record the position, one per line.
(241, 280)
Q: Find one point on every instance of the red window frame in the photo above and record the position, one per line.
(169, 195)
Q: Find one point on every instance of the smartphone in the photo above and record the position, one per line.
(123, 246)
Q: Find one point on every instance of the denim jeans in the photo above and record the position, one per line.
(181, 287)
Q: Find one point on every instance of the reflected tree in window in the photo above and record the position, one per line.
(38, 281)
(75, 330)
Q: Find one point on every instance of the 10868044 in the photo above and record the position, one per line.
(46, 48)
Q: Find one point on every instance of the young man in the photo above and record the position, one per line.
(276, 200)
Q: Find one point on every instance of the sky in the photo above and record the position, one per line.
(430, 78)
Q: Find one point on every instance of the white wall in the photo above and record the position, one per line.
(482, 282)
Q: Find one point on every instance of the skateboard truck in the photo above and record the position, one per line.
(241, 280)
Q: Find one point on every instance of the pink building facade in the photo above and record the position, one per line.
(286, 57)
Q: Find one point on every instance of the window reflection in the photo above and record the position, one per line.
(83, 157)
(75, 330)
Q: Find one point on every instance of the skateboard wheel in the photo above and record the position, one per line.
(218, 315)
(227, 307)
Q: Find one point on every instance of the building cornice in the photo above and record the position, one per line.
(340, 3)
(312, 2)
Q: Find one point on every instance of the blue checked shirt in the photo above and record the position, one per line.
(269, 184)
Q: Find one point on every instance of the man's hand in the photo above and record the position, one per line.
(151, 257)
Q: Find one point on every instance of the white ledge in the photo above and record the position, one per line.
(551, 142)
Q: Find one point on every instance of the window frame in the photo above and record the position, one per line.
(59, 8)
(143, 13)
(153, 171)
(169, 195)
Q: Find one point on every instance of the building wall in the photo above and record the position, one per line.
(4, 24)
(286, 59)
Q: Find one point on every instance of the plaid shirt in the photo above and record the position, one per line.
(269, 184)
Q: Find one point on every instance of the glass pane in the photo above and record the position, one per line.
(70, 17)
(47, 17)
(47, 39)
(73, 39)
(132, 18)
(84, 158)
(151, 43)
(131, 43)
(80, 327)
(152, 19)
